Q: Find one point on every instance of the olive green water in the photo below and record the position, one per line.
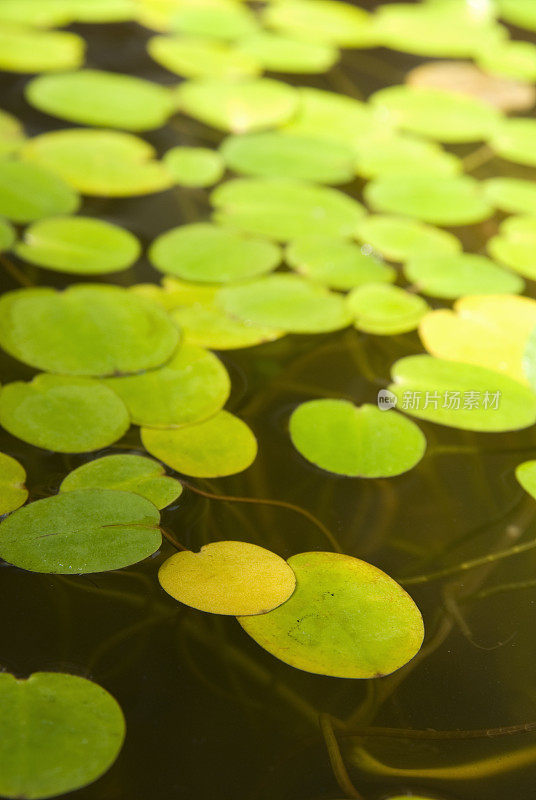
(210, 715)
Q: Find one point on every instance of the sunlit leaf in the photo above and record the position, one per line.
(173, 292)
(210, 326)
(58, 733)
(329, 21)
(91, 11)
(346, 618)
(384, 309)
(526, 475)
(221, 445)
(194, 166)
(7, 235)
(529, 360)
(228, 578)
(29, 192)
(13, 492)
(222, 20)
(515, 140)
(400, 238)
(456, 275)
(518, 12)
(11, 134)
(401, 153)
(202, 58)
(515, 60)
(26, 50)
(357, 441)
(279, 53)
(512, 195)
(52, 13)
(515, 245)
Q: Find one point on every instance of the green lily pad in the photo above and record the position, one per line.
(221, 445)
(173, 293)
(90, 530)
(336, 263)
(464, 396)
(7, 235)
(88, 329)
(511, 195)
(275, 154)
(400, 238)
(92, 11)
(515, 245)
(384, 309)
(108, 99)
(128, 473)
(13, 492)
(283, 209)
(515, 140)
(518, 12)
(346, 618)
(363, 442)
(78, 245)
(526, 475)
(58, 733)
(222, 20)
(239, 106)
(107, 163)
(44, 14)
(207, 253)
(210, 326)
(444, 201)
(64, 414)
(529, 360)
(25, 50)
(328, 21)
(11, 134)
(285, 54)
(401, 153)
(515, 60)
(29, 192)
(202, 58)
(194, 166)
(456, 275)
(192, 386)
(287, 302)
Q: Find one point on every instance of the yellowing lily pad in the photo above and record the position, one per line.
(194, 166)
(279, 53)
(400, 238)
(225, 19)
(202, 58)
(329, 21)
(385, 309)
(228, 578)
(25, 50)
(346, 618)
(461, 274)
(210, 326)
(13, 492)
(515, 140)
(512, 195)
(515, 245)
(29, 192)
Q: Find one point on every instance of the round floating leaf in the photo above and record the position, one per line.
(194, 166)
(88, 329)
(29, 192)
(444, 201)
(79, 245)
(108, 163)
(465, 396)
(515, 140)
(274, 154)
(58, 733)
(90, 530)
(11, 134)
(202, 58)
(335, 262)
(526, 475)
(174, 293)
(438, 114)
(516, 60)
(284, 209)
(287, 302)
(346, 618)
(518, 12)
(192, 386)
(44, 14)
(67, 415)
(399, 238)
(13, 492)
(363, 442)
(529, 360)
(210, 326)
(328, 21)
(228, 578)
(94, 97)
(7, 235)
(384, 309)
(456, 275)
(512, 195)
(238, 107)
(26, 50)
(515, 245)
(127, 473)
(401, 153)
(206, 253)
(222, 20)
(221, 445)
(284, 54)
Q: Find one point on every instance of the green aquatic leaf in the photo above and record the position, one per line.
(445, 201)
(288, 302)
(23, 49)
(518, 12)
(515, 140)
(452, 276)
(64, 414)
(88, 329)
(228, 578)
(515, 60)
(222, 20)
(283, 209)
(396, 152)
(529, 360)
(221, 445)
(328, 21)
(279, 53)
(384, 309)
(511, 195)
(13, 492)
(7, 235)
(515, 245)
(526, 476)
(107, 163)
(29, 192)
(238, 106)
(173, 293)
(465, 396)
(11, 134)
(356, 441)
(336, 263)
(210, 326)
(192, 386)
(55, 13)
(128, 473)
(194, 166)
(400, 238)
(90, 530)
(58, 733)
(78, 245)
(207, 253)
(202, 58)
(108, 99)
(346, 618)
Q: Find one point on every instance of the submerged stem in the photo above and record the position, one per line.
(335, 757)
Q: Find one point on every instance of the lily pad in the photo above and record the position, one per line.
(125, 472)
(328, 21)
(515, 245)
(511, 195)
(88, 329)
(401, 153)
(384, 309)
(279, 53)
(465, 396)
(346, 618)
(173, 293)
(510, 59)
(25, 50)
(210, 326)
(78, 245)
(228, 578)
(7, 235)
(222, 20)
(29, 192)
(13, 492)
(400, 238)
(363, 442)
(529, 360)
(526, 475)
(202, 58)
(64, 414)
(207, 253)
(194, 166)
(452, 276)
(108, 99)
(90, 530)
(58, 733)
(515, 140)
(11, 134)
(221, 445)
(518, 12)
